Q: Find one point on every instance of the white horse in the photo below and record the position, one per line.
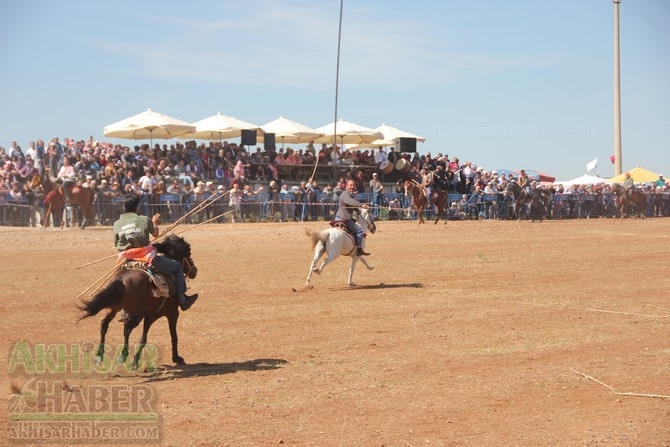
(335, 242)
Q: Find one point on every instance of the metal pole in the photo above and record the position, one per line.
(617, 94)
(337, 74)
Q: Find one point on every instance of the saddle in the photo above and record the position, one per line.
(161, 286)
(339, 223)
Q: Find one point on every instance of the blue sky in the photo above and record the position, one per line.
(520, 84)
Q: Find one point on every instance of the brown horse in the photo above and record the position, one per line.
(420, 200)
(133, 291)
(634, 201)
(55, 198)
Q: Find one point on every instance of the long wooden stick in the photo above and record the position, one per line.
(660, 308)
(102, 279)
(201, 206)
(660, 396)
(170, 227)
(202, 223)
(629, 313)
(591, 378)
(99, 260)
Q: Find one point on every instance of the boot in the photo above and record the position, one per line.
(360, 252)
(187, 301)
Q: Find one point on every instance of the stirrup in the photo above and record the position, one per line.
(361, 252)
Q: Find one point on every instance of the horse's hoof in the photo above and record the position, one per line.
(317, 271)
(352, 284)
(372, 267)
(121, 360)
(178, 361)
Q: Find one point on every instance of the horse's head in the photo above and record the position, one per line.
(175, 247)
(513, 189)
(35, 181)
(618, 189)
(367, 221)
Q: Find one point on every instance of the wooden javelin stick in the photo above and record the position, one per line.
(202, 223)
(201, 206)
(418, 184)
(169, 228)
(102, 279)
(96, 261)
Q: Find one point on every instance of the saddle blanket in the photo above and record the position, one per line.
(161, 287)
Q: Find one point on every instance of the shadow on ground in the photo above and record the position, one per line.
(212, 369)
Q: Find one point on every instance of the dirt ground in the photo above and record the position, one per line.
(470, 334)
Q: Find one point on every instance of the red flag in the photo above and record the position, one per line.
(612, 158)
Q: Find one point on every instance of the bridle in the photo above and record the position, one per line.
(189, 267)
(367, 217)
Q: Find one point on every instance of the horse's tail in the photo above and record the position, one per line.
(107, 297)
(316, 236)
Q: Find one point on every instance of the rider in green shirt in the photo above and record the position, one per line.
(132, 234)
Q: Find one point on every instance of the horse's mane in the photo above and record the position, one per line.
(174, 247)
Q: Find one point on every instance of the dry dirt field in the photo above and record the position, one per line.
(469, 334)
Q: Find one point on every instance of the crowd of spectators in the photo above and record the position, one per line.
(192, 170)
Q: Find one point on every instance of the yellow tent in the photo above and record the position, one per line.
(639, 175)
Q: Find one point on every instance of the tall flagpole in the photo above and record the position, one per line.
(337, 87)
(617, 94)
(337, 75)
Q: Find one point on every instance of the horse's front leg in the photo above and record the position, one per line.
(45, 224)
(364, 260)
(419, 212)
(148, 321)
(438, 213)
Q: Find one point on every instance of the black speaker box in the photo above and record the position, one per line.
(406, 144)
(248, 137)
(269, 142)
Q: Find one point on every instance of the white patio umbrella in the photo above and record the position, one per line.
(347, 133)
(289, 131)
(218, 127)
(391, 134)
(148, 125)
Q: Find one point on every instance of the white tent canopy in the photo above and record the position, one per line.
(583, 180)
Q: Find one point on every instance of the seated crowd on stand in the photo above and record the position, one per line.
(173, 178)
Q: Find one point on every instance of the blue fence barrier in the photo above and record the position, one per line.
(386, 206)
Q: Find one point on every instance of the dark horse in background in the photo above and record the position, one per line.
(630, 203)
(54, 197)
(529, 205)
(133, 291)
(420, 200)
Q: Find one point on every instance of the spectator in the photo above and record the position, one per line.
(235, 202)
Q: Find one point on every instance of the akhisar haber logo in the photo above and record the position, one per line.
(61, 358)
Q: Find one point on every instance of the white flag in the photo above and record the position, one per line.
(590, 166)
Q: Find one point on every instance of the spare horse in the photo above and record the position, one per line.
(136, 291)
(418, 192)
(55, 198)
(336, 241)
